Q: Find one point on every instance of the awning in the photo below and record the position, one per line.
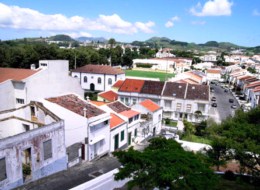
(96, 139)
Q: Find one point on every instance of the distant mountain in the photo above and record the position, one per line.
(61, 37)
(163, 42)
(94, 39)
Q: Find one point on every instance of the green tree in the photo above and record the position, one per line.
(242, 135)
(112, 42)
(127, 59)
(164, 164)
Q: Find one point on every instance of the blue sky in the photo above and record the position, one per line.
(198, 21)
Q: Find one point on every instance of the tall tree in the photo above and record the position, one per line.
(164, 164)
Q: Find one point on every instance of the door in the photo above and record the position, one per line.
(154, 131)
(26, 164)
(116, 145)
(83, 151)
(92, 87)
(129, 138)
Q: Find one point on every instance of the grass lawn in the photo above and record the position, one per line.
(197, 139)
(149, 74)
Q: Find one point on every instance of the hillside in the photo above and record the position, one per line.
(61, 37)
(90, 39)
(163, 42)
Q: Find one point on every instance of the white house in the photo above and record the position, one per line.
(164, 52)
(152, 116)
(86, 127)
(179, 100)
(98, 77)
(213, 74)
(31, 145)
(20, 86)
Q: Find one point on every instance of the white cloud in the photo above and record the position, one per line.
(145, 27)
(213, 8)
(198, 22)
(24, 18)
(256, 12)
(79, 34)
(170, 23)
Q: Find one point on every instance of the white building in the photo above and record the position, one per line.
(31, 145)
(152, 116)
(213, 74)
(86, 127)
(20, 86)
(179, 100)
(164, 52)
(98, 77)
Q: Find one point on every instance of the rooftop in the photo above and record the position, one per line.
(99, 69)
(129, 113)
(118, 107)
(115, 121)
(118, 84)
(152, 87)
(197, 92)
(150, 105)
(109, 95)
(15, 74)
(214, 71)
(98, 103)
(76, 105)
(132, 85)
(174, 89)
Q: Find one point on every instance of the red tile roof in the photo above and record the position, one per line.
(197, 92)
(98, 103)
(129, 113)
(214, 71)
(118, 84)
(15, 74)
(76, 105)
(99, 69)
(109, 95)
(115, 121)
(152, 87)
(132, 85)
(150, 105)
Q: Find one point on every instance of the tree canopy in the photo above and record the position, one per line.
(164, 164)
(241, 136)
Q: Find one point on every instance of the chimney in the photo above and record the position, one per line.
(33, 67)
(85, 111)
(87, 98)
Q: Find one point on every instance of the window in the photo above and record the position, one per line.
(26, 127)
(130, 120)
(201, 107)
(168, 103)
(19, 101)
(121, 99)
(109, 81)
(178, 107)
(99, 80)
(134, 101)
(135, 132)
(159, 117)
(188, 108)
(3, 175)
(136, 117)
(106, 122)
(47, 149)
(126, 101)
(32, 111)
(85, 79)
(122, 135)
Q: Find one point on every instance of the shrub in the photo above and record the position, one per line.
(26, 169)
(143, 65)
(229, 175)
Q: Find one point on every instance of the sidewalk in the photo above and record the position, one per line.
(74, 176)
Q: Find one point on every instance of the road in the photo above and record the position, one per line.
(223, 109)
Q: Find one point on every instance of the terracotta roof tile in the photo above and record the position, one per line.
(214, 71)
(76, 105)
(118, 107)
(150, 105)
(197, 92)
(132, 85)
(98, 103)
(115, 121)
(174, 89)
(118, 84)
(99, 69)
(109, 95)
(152, 87)
(129, 113)
(15, 74)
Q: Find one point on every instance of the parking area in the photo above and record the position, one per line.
(223, 103)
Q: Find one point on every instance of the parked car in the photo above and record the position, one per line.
(213, 98)
(234, 106)
(226, 90)
(214, 105)
(231, 100)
